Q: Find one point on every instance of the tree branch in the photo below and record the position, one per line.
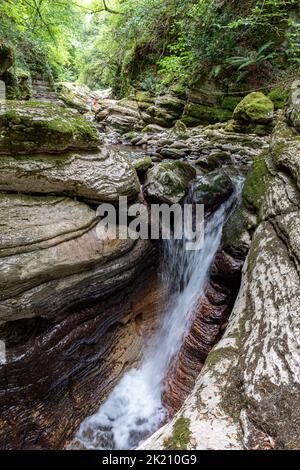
(104, 8)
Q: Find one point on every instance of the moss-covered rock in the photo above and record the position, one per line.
(179, 128)
(75, 96)
(178, 90)
(195, 114)
(141, 165)
(255, 108)
(293, 107)
(212, 189)
(30, 127)
(168, 182)
(256, 183)
(153, 129)
(24, 84)
(279, 97)
(92, 176)
(243, 127)
(181, 435)
(171, 103)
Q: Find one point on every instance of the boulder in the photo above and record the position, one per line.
(253, 115)
(95, 177)
(212, 189)
(255, 108)
(169, 182)
(31, 127)
(76, 96)
(123, 115)
(141, 165)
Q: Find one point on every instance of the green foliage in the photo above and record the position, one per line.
(154, 44)
(43, 31)
(253, 58)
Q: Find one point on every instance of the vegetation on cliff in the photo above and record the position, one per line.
(154, 45)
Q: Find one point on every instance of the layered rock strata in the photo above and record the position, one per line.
(76, 304)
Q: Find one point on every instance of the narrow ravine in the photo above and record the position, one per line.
(134, 410)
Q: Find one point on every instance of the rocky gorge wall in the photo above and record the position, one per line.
(75, 308)
(247, 394)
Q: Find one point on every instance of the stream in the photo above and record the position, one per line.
(134, 410)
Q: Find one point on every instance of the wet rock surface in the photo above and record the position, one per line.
(245, 395)
(168, 182)
(77, 307)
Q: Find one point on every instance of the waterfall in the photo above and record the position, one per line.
(134, 409)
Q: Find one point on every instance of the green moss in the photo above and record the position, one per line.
(243, 127)
(230, 102)
(31, 127)
(141, 165)
(178, 90)
(256, 183)
(195, 114)
(181, 435)
(216, 355)
(279, 97)
(255, 107)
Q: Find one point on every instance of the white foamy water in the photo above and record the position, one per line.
(134, 409)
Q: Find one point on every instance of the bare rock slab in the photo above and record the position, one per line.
(93, 176)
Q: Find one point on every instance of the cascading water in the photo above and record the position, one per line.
(134, 409)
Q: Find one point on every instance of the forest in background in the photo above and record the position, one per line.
(154, 45)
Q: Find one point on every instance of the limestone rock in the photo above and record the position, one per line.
(31, 127)
(212, 189)
(68, 368)
(293, 107)
(53, 257)
(96, 177)
(141, 165)
(76, 96)
(245, 395)
(168, 182)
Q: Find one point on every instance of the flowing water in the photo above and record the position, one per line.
(134, 409)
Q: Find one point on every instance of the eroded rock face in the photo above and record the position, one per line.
(168, 182)
(54, 259)
(96, 177)
(59, 373)
(246, 393)
(31, 127)
(74, 308)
